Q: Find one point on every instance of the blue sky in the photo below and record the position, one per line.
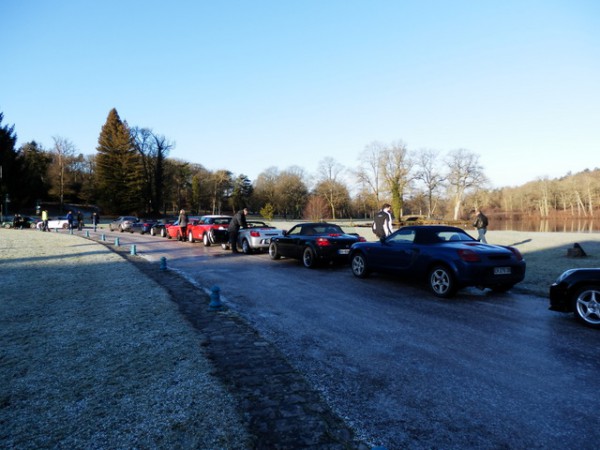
(247, 85)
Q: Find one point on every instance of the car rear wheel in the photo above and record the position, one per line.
(441, 282)
(191, 238)
(308, 258)
(152, 231)
(163, 232)
(273, 252)
(65, 226)
(586, 305)
(358, 264)
(206, 240)
(246, 247)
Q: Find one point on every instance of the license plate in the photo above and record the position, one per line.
(501, 270)
(344, 251)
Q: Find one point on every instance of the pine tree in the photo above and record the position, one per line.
(12, 170)
(118, 167)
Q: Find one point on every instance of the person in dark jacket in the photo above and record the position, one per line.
(238, 221)
(95, 220)
(382, 223)
(481, 224)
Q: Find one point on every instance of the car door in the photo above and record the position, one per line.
(395, 253)
(290, 244)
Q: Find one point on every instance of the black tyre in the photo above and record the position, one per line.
(206, 239)
(191, 237)
(441, 282)
(586, 305)
(246, 247)
(65, 226)
(358, 263)
(152, 231)
(163, 232)
(273, 252)
(309, 258)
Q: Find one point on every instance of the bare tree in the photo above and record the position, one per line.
(396, 169)
(63, 151)
(428, 172)
(369, 170)
(465, 173)
(329, 187)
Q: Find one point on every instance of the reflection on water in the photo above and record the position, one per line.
(545, 225)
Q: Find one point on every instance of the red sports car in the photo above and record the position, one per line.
(201, 229)
(174, 230)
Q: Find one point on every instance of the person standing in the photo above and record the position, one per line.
(79, 220)
(45, 220)
(238, 221)
(382, 224)
(70, 219)
(481, 224)
(95, 220)
(183, 223)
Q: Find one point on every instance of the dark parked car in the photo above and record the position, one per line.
(313, 243)
(20, 222)
(446, 257)
(122, 223)
(578, 291)
(143, 226)
(159, 228)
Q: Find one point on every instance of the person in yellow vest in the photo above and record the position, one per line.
(44, 220)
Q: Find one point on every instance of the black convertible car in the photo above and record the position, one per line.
(578, 291)
(446, 257)
(313, 243)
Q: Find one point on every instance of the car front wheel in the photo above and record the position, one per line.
(308, 258)
(273, 252)
(586, 304)
(152, 232)
(359, 265)
(441, 282)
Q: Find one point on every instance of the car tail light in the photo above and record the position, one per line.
(323, 242)
(516, 252)
(254, 234)
(361, 239)
(469, 256)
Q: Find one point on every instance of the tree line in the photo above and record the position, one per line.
(131, 173)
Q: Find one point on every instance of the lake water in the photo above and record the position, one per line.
(549, 225)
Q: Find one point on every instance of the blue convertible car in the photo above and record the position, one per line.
(446, 257)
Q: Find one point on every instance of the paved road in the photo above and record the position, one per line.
(408, 370)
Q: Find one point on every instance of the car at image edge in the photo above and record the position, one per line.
(446, 257)
(578, 291)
